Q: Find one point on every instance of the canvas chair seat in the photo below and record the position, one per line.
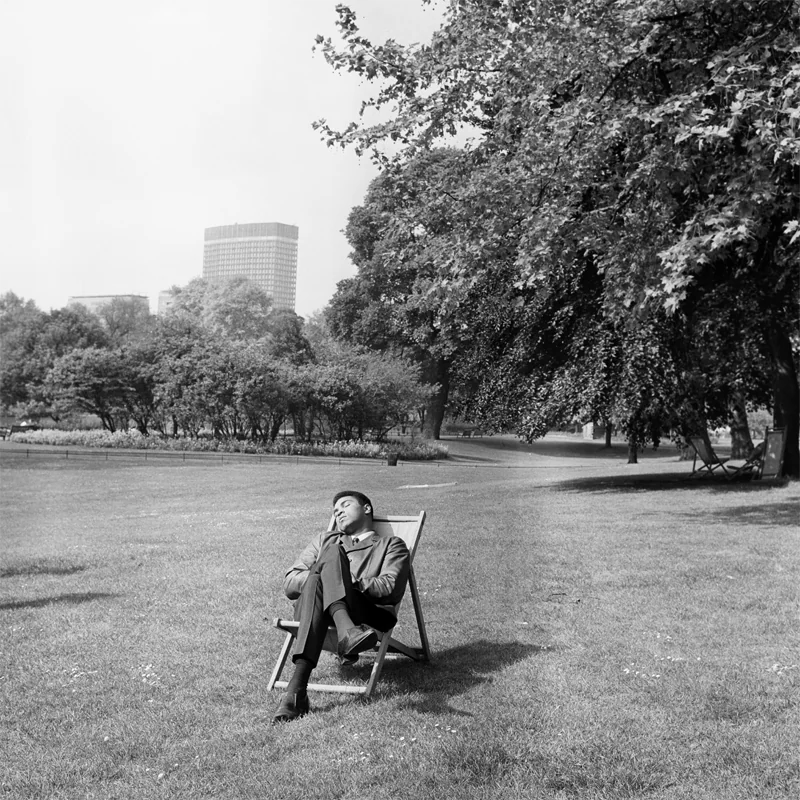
(711, 462)
(409, 529)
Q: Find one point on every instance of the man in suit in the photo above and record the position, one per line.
(350, 577)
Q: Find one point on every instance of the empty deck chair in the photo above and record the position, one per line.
(771, 465)
(711, 461)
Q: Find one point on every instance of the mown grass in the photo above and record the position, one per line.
(596, 635)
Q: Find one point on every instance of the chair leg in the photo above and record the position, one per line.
(281, 662)
(417, 603)
(377, 667)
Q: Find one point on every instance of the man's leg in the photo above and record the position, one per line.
(328, 595)
(325, 586)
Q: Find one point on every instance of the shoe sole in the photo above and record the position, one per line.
(367, 643)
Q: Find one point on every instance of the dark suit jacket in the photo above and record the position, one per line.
(379, 566)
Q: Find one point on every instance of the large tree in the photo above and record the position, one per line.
(398, 237)
(646, 150)
(30, 343)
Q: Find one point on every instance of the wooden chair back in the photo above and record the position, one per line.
(407, 528)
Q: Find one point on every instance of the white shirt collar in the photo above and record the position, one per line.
(361, 537)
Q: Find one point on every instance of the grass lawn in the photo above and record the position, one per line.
(599, 630)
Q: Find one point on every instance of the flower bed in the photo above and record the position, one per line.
(132, 439)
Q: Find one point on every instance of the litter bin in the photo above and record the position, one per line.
(391, 459)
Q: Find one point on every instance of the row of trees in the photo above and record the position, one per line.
(616, 235)
(222, 359)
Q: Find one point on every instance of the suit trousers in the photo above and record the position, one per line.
(328, 582)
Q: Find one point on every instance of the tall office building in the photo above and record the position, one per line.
(264, 252)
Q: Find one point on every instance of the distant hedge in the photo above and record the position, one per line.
(132, 439)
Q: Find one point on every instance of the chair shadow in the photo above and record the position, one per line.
(72, 599)
(450, 673)
(660, 482)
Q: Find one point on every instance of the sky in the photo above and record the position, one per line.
(128, 128)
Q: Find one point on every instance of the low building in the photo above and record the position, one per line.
(166, 300)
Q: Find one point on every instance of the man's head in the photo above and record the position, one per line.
(352, 512)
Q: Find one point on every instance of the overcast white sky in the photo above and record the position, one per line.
(128, 128)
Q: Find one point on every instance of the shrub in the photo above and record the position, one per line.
(132, 439)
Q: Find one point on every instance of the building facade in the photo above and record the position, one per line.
(166, 300)
(264, 252)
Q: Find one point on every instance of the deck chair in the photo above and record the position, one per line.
(711, 461)
(751, 466)
(409, 529)
(771, 465)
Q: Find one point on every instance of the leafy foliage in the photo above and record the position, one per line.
(225, 363)
(624, 207)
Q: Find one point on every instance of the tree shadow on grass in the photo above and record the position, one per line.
(73, 599)
(771, 514)
(40, 568)
(452, 672)
(659, 482)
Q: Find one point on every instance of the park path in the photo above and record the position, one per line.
(557, 451)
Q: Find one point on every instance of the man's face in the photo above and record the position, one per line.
(351, 517)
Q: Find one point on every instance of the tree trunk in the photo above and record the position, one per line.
(607, 424)
(787, 397)
(633, 451)
(741, 441)
(438, 373)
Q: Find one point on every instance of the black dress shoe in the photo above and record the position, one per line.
(292, 706)
(357, 639)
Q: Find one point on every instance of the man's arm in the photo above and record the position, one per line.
(296, 576)
(390, 585)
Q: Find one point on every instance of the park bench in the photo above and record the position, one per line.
(6, 431)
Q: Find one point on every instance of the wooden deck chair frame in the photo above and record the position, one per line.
(711, 461)
(409, 529)
(750, 467)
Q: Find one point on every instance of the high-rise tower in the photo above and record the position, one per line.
(264, 252)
